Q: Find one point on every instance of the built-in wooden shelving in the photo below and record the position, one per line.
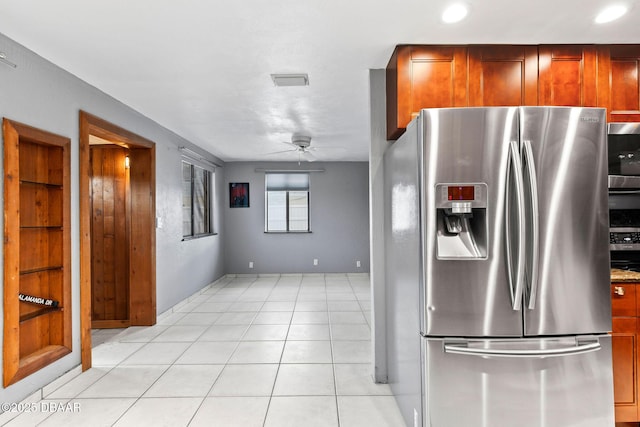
(36, 249)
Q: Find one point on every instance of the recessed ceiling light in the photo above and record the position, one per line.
(454, 13)
(611, 13)
(290, 79)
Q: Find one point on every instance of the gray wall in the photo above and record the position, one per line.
(339, 222)
(42, 95)
(379, 144)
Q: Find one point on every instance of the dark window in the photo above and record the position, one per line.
(196, 200)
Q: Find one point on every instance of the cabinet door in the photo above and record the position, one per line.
(503, 75)
(624, 76)
(567, 75)
(624, 355)
(423, 77)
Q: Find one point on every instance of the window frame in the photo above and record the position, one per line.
(287, 208)
(207, 205)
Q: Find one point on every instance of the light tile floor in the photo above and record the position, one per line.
(277, 351)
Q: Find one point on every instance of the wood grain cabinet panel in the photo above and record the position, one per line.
(503, 75)
(624, 77)
(625, 357)
(567, 75)
(606, 76)
(423, 77)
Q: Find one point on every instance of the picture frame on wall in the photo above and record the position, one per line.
(238, 194)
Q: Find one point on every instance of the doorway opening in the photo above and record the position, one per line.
(117, 227)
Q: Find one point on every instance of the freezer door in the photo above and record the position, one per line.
(520, 382)
(467, 287)
(565, 166)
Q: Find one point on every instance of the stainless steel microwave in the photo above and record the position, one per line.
(624, 155)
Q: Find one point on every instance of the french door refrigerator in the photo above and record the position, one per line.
(497, 268)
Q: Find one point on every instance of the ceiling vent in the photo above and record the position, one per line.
(290, 79)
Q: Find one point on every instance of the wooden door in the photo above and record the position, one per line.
(567, 75)
(503, 75)
(142, 244)
(625, 350)
(110, 237)
(423, 77)
(624, 75)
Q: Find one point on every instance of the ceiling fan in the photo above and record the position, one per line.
(302, 145)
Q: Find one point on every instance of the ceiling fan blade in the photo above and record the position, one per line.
(308, 156)
(291, 144)
(280, 152)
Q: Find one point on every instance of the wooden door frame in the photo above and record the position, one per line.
(92, 125)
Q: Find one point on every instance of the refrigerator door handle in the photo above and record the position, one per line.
(535, 235)
(515, 165)
(581, 347)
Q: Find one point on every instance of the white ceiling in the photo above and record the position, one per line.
(202, 67)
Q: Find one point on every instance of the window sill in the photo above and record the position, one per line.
(199, 236)
(287, 232)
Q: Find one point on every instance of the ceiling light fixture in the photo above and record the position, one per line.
(290, 79)
(611, 13)
(455, 13)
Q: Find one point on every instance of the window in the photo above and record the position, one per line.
(287, 202)
(196, 201)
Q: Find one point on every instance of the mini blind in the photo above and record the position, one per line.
(287, 182)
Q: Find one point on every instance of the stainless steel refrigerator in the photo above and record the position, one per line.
(497, 268)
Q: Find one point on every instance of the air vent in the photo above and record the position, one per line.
(290, 79)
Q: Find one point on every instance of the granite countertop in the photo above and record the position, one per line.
(622, 276)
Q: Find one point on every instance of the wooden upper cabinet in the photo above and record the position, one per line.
(503, 75)
(605, 76)
(623, 73)
(567, 75)
(423, 77)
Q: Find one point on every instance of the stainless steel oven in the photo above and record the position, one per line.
(624, 195)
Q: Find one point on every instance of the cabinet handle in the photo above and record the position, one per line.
(618, 290)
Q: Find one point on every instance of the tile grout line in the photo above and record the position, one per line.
(165, 371)
(254, 291)
(264, 421)
(333, 363)
(219, 374)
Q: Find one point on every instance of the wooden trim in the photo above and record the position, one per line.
(11, 350)
(106, 130)
(93, 125)
(36, 361)
(85, 243)
(603, 59)
(99, 324)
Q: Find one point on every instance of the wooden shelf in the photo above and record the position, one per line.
(37, 249)
(39, 312)
(42, 184)
(41, 269)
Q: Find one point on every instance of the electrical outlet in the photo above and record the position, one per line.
(358, 265)
(250, 264)
(315, 261)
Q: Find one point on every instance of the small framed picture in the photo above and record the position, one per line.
(238, 194)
